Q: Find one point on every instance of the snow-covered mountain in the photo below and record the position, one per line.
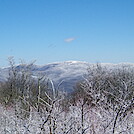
(68, 72)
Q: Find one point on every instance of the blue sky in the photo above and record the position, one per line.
(61, 30)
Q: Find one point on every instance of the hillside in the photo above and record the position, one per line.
(68, 72)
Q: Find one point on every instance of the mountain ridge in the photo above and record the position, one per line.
(69, 72)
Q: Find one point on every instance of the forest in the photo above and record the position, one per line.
(101, 103)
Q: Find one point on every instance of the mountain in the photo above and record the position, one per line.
(68, 72)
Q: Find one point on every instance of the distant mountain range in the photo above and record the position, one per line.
(68, 72)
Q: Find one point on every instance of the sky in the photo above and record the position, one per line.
(63, 30)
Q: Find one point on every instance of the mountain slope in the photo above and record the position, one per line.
(68, 72)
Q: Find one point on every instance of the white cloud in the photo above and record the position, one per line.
(68, 40)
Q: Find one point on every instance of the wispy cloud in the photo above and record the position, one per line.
(51, 45)
(68, 40)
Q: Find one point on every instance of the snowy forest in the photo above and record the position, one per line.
(101, 103)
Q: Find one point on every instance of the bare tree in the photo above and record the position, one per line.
(111, 90)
